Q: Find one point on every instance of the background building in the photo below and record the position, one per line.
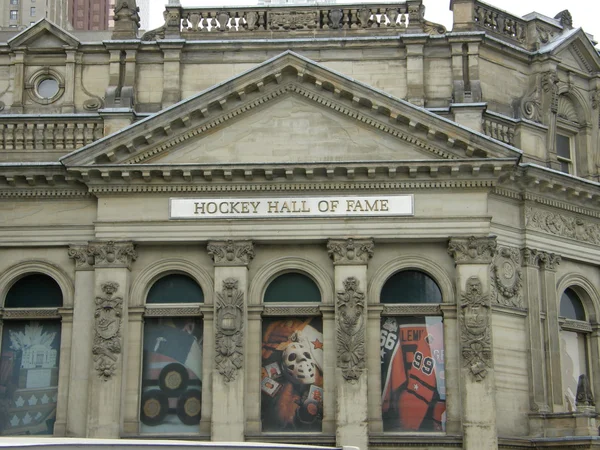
(328, 224)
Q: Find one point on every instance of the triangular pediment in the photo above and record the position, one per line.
(44, 35)
(287, 110)
(574, 50)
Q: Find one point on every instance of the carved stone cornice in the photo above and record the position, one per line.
(506, 278)
(231, 253)
(229, 323)
(351, 325)
(83, 256)
(475, 329)
(549, 261)
(472, 250)
(562, 225)
(113, 254)
(350, 251)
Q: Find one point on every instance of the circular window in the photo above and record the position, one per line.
(48, 88)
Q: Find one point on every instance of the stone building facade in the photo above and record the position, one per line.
(326, 224)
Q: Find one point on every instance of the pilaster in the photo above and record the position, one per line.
(82, 337)
(18, 71)
(472, 257)
(231, 259)
(69, 94)
(110, 332)
(415, 80)
(548, 264)
(350, 260)
(171, 72)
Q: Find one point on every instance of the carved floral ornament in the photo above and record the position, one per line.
(351, 330)
(229, 337)
(107, 330)
(350, 251)
(562, 225)
(231, 253)
(103, 254)
(475, 333)
(472, 250)
(506, 276)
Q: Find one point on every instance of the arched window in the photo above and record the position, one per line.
(568, 126)
(573, 344)
(171, 399)
(412, 354)
(292, 358)
(29, 360)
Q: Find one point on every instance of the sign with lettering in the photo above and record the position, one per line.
(273, 207)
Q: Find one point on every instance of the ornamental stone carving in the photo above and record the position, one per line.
(584, 397)
(351, 330)
(475, 333)
(564, 226)
(229, 335)
(107, 330)
(350, 251)
(113, 254)
(82, 255)
(506, 276)
(531, 105)
(530, 257)
(127, 20)
(472, 250)
(549, 261)
(231, 253)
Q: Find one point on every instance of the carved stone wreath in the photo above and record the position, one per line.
(229, 337)
(506, 275)
(351, 330)
(107, 331)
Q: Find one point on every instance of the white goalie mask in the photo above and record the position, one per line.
(299, 364)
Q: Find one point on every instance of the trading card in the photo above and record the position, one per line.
(270, 386)
(273, 370)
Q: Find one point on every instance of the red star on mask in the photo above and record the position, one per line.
(318, 344)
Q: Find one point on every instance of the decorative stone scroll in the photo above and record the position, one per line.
(472, 250)
(350, 251)
(531, 104)
(229, 335)
(231, 253)
(475, 335)
(113, 254)
(564, 226)
(506, 276)
(107, 330)
(351, 330)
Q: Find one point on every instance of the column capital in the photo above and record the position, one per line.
(530, 257)
(549, 261)
(82, 255)
(231, 253)
(113, 253)
(350, 251)
(472, 249)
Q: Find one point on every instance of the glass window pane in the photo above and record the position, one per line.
(292, 374)
(292, 288)
(412, 374)
(411, 286)
(29, 377)
(565, 167)
(571, 306)
(573, 362)
(172, 375)
(34, 291)
(563, 146)
(48, 88)
(175, 288)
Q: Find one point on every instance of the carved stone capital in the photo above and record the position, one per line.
(350, 251)
(83, 257)
(549, 261)
(351, 330)
(108, 316)
(472, 250)
(231, 253)
(475, 329)
(113, 254)
(530, 257)
(229, 323)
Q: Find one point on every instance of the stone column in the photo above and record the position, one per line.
(231, 285)
(415, 75)
(548, 264)
(537, 380)
(18, 63)
(110, 331)
(473, 256)
(133, 366)
(350, 259)
(83, 320)
(66, 360)
(171, 72)
(69, 94)
(452, 368)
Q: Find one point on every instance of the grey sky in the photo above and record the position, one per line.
(585, 12)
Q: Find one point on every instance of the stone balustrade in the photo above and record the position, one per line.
(500, 22)
(38, 133)
(499, 129)
(195, 23)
